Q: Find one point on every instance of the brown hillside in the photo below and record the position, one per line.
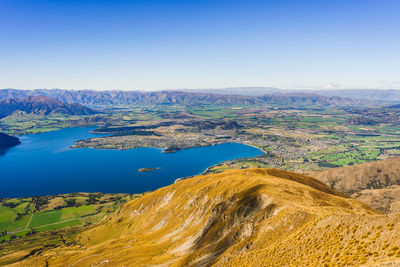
(372, 175)
(374, 183)
(385, 200)
(253, 217)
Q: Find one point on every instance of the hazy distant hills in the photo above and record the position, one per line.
(249, 91)
(389, 95)
(106, 98)
(370, 94)
(309, 99)
(41, 105)
(395, 106)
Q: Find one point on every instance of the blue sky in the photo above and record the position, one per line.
(150, 44)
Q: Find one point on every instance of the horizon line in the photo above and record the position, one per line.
(216, 89)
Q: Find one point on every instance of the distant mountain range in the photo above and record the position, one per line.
(41, 105)
(249, 91)
(111, 98)
(309, 99)
(389, 95)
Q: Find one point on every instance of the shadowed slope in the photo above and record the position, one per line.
(238, 217)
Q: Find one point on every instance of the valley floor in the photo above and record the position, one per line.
(302, 138)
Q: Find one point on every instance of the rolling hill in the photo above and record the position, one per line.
(252, 217)
(374, 183)
(371, 175)
(42, 105)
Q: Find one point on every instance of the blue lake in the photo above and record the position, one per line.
(44, 164)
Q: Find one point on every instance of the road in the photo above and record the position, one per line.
(42, 225)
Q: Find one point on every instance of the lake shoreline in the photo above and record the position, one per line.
(48, 156)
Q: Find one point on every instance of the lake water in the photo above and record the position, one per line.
(44, 164)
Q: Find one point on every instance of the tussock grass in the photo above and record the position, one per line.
(253, 217)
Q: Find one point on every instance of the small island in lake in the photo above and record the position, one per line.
(148, 169)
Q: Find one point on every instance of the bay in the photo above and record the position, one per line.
(44, 164)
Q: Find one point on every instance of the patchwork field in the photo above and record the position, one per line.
(24, 216)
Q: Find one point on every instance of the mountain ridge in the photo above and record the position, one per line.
(41, 105)
(105, 98)
(252, 217)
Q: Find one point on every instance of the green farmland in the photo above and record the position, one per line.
(23, 216)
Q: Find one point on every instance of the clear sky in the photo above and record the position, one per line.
(151, 44)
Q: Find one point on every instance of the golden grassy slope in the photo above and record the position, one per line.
(250, 217)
